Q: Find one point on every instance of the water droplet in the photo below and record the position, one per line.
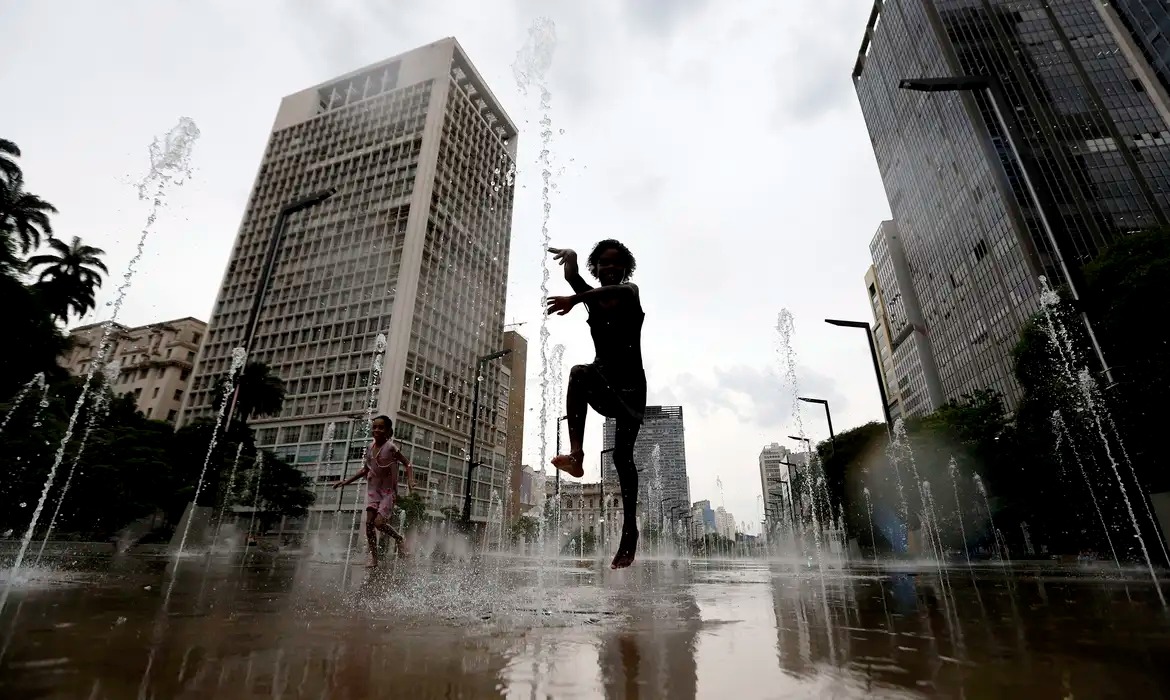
(23, 504)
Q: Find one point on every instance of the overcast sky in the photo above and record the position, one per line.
(721, 141)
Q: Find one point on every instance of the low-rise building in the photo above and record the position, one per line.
(155, 361)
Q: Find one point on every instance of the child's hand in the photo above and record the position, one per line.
(338, 484)
(560, 305)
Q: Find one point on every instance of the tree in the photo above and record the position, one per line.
(526, 529)
(415, 508)
(284, 490)
(70, 276)
(261, 393)
(24, 217)
(9, 169)
(1126, 295)
(37, 340)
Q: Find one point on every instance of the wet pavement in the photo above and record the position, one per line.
(296, 627)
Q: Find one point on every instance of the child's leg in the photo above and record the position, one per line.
(577, 403)
(625, 436)
(371, 533)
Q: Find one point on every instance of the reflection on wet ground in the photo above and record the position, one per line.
(286, 627)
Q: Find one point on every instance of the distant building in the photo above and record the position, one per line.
(516, 364)
(661, 428)
(591, 508)
(774, 482)
(725, 524)
(702, 520)
(155, 361)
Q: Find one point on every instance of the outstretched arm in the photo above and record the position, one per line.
(625, 293)
(568, 258)
(360, 474)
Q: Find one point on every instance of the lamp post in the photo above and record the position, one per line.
(991, 87)
(274, 241)
(557, 475)
(479, 368)
(828, 417)
(877, 368)
(601, 466)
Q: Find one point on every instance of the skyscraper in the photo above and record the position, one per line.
(665, 476)
(774, 483)
(413, 245)
(907, 362)
(1095, 145)
(516, 364)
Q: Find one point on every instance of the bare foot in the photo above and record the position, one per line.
(372, 562)
(570, 464)
(627, 548)
(402, 550)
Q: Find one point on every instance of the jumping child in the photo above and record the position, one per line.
(615, 384)
(380, 468)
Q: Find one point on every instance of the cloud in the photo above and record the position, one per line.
(756, 396)
(813, 70)
(661, 17)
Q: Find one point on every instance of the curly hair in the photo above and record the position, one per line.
(623, 251)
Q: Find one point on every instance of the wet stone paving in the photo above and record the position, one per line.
(283, 626)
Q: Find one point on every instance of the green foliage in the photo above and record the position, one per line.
(260, 392)
(525, 529)
(275, 487)
(415, 508)
(69, 276)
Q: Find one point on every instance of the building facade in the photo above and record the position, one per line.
(907, 360)
(155, 361)
(516, 364)
(1095, 143)
(412, 247)
(661, 457)
(702, 520)
(774, 483)
(595, 508)
(725, 524)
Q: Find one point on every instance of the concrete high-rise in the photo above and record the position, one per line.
(414, 244)
(907, 362)
(1088, 119)
(774, 479)
(516, 365)
(662, 427)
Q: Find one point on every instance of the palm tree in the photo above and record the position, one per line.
(24, 217)
(9, 169)
(71, 274)
(261, 392)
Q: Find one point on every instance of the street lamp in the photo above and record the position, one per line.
(991, 87)
(828, 417)
(479, 368)
(877, 368)
(274, 241)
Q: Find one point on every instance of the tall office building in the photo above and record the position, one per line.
(666, 476)
(413, 244)
(907, 361)
(1095, 143)
(516, 364)
(774, 483)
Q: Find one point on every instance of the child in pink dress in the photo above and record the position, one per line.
(380, 468)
